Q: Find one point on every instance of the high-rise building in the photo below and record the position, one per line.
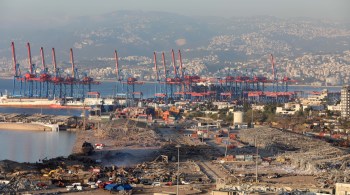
(345, 101)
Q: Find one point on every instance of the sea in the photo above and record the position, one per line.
(32, 146)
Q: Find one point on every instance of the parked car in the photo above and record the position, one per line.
(156, 183)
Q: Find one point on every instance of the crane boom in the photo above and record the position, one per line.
(42, 57)
(174, 63)
(163, 59)
(72, 61)
(181, 70)
(30, 59)
(155, 65)
(116, 65)
(54, 60)
(14, 60)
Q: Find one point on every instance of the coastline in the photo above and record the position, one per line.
(23, 127)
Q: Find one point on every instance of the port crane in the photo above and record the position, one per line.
(45, 77)
(274, 74)
(131, 82)
(30, 76)
(119, 92)
(56, 80)
(158, 93)
(17, 72)
(70, 80)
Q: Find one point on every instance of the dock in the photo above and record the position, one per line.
(15, 121)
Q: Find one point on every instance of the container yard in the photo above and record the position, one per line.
(42, 86)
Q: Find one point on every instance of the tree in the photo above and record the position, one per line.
(246, 106)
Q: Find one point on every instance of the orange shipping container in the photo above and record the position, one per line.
(232, 136)
(336, 136)
(218, 140)
(321, 134)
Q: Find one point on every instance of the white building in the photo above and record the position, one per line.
(334, 107)
(345, 101)
(288, 109)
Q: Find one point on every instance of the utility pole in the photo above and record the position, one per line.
(256, 161)
(252, 118)
(84, 114)
(227, 140)
(178, 168)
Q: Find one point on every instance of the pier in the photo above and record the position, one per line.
(38, 122)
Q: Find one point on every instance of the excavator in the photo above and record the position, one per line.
(55, 174)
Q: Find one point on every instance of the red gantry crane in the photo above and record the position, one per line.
(71, 80)
(16, 72)
(274, 75)
(119, 92)
(131, 82)
(158, 93)
(30, 76)
(56, 80)
(45, 77)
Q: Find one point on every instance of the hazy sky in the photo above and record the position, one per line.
(17, 11)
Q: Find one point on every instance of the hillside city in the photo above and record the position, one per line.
(311, 52)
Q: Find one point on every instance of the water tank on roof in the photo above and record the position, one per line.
(238, 117)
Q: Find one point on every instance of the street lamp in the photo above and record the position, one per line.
(178, 168)
(252, 126)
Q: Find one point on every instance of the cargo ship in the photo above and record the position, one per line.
(8, 101)
(68, 103)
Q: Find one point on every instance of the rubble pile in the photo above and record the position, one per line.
(190, 152)
(304, 153)
(165, 172)
(129, 133)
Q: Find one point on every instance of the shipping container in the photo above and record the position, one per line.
(240, 157)
(218, 140)
(248, 158)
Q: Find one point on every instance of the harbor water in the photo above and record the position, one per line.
(32, 146)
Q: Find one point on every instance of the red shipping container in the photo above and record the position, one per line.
(218, 140)
(232, 136)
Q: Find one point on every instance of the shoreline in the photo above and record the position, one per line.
(23, 127)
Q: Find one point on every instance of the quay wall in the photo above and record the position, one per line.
(24, 126)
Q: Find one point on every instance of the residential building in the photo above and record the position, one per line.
(345, 101)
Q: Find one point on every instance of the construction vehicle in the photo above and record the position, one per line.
(51, 173)
(54, 172)
(280, 159)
